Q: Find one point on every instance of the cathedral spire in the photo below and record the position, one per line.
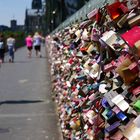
(36, 4)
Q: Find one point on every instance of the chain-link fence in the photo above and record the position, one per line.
(81, 14)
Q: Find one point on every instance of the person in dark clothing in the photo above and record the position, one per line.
(2, 48)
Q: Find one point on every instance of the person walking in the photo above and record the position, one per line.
(2, 48)
(37, 41)
(11, 47)
(29, 44)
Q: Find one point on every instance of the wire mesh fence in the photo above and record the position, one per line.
(81, 14)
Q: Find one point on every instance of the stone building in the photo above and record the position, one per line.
(34, 17)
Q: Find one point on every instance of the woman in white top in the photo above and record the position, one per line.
(11, 47)
(37, 40)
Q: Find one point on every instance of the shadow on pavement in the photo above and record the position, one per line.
(4, 130)
(20, 102)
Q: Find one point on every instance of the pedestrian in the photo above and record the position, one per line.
(37, 41)
(2, 48)
(29, 44)
(11, 47)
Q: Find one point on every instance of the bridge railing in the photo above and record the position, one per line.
(81, 14)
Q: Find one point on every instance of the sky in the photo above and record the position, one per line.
(13, 9)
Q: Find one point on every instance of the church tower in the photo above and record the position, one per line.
(36, 4)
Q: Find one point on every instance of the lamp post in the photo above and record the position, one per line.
(53, 13)
(51, 24)
(39, 20)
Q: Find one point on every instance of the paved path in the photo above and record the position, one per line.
(26, 109)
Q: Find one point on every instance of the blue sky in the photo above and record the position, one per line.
(10, 9)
